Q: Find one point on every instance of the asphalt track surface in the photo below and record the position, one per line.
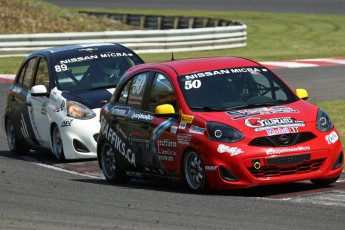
(277, 6)
(38, 195)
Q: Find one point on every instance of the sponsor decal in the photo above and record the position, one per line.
(196, 129)
(134, 174)
(211, 168)
(263, 124)
(187, 118)
(332, 138)
(142, 117)
(283, 130)
(95, 56)
(260, 111)
(173, 129)
(140, 134)
(60, 108)
(66, 123)
(166, 143)
(223, 72)
(120, 111)
(287, 150)
(166, 158)
(24, 130)
(184, 139)
(233, 151)
(182, 125)
(117, 142)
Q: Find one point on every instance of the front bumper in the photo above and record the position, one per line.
(255, 167)
(80, 138)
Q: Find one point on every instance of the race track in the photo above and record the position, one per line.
(38, 193)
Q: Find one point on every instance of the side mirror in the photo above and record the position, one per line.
(39, 90)
(165, 109)
(302, 94)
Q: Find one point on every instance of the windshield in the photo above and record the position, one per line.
(235, 88)
(99, 70)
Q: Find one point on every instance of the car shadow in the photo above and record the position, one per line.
(81, 166)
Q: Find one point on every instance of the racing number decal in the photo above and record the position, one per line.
(195, 84)
(139, 84)
(61, 68)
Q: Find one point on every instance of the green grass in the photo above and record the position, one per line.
(271, 36)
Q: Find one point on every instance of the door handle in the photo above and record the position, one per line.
(144, 126)
(114, 120)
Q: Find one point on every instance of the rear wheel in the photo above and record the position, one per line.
(110, 166)
(57, 145)
(325, 182)
(12, 139)
(194, 172)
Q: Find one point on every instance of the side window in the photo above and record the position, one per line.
(124, 93)
(30, 68)
(162, 92)
(137, 89)
(42, 76)
(22, 74)
(269, 88)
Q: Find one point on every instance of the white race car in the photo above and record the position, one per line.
(56, 97)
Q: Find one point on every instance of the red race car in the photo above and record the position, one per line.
(219, 123)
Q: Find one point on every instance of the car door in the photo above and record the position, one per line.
(163, 128)
(39, 104)
(18, 104)
(131, 124)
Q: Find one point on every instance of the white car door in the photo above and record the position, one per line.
(38, 104)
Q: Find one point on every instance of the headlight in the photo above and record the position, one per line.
(79, 111)
(223, 133)
(323, 122)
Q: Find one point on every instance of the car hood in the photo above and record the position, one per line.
(93, 99)
(262, 118)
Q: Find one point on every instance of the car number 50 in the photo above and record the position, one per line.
(192, 84)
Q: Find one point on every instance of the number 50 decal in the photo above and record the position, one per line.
(192, 84)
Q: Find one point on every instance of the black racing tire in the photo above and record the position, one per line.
(325, 182)
(113, 173)
(12, 139)
(194, 172)
(57, 144)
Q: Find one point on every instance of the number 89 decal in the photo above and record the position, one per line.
(194, 84)
(61, 68)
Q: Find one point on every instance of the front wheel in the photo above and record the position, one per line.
(110, 166)
(325, 182)
(57, 145)
(194, 172)
(12, 139)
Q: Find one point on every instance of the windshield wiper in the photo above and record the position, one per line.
(252, 105)
(206, 108)
(102, 87)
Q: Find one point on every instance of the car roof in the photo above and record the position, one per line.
(186, 66)
(61, 51)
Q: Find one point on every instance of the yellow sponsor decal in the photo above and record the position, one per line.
(187, 118)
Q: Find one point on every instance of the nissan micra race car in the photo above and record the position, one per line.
(57, 94)
(220, 123)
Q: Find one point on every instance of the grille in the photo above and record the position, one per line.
(276, 170)
(283, 139)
